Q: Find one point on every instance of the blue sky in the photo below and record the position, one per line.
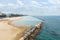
(31, 7)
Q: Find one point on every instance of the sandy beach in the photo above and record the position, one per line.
(10, 32)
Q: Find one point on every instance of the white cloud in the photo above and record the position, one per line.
(36, 4)
(2, 5)
(13, 6)
(10, 4)
(37, 7)
(54, 1)
(20, 2)
(45, 3)
(6, 5)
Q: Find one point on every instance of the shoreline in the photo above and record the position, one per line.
(23, 36)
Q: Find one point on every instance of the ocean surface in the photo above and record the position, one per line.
(50, 29)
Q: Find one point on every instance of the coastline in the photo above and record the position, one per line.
(21, 34)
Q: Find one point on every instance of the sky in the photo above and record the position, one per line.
(31, 7)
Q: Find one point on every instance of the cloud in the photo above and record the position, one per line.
(36, 4)
(12, 6)
(2, 5)
(20, 2)
(44, 2)
(54, 1)
(33, 7)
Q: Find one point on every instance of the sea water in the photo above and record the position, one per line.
(50, 28)
(27, 20)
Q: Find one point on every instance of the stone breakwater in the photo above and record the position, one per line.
(30, 34)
